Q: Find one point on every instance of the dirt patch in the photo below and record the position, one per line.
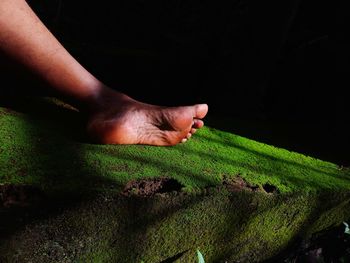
(162, 185)
(19, 195)
(237, 184)
(152, 186)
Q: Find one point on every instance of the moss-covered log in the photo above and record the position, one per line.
(66, 200)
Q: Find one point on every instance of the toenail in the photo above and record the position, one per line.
(183, 140)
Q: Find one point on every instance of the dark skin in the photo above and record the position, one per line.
(113, 117)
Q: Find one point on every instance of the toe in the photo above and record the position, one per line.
(197, 124)
(188, 135)
(200, 110)
(193, 130)
(183, 140)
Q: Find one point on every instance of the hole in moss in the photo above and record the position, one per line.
(149, 187)
(269, 188)
(170, 185)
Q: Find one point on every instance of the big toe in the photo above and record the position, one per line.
(200, 110)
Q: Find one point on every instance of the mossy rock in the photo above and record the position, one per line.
(63, 199)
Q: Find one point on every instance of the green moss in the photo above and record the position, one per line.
(38, 152)
(238, 226)
(106, 227)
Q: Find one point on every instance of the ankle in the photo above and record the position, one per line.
(106, 98)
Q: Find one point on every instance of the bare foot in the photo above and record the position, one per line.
(122, 120)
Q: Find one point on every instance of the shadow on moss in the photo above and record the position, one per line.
(61, 173)
(86, 218)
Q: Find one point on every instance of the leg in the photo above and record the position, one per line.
(113, 117)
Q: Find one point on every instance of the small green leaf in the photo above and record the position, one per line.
(347, 229)
(200, 257)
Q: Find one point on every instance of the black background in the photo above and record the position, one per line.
(275, 71)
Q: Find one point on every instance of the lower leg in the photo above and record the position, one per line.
(113, 117)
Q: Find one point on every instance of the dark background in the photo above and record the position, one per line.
(275, 71)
